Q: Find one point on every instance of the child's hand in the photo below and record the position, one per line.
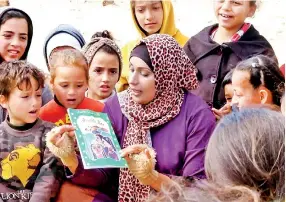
(56, 135)
(219, 113)
(141, 162)
(60, 141)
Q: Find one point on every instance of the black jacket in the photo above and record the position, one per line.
(213, 61)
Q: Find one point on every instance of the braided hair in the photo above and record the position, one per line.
(264, 71)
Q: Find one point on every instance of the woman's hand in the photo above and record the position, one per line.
(141, 163)
(60, 141)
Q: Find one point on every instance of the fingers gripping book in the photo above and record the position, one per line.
(97, 142)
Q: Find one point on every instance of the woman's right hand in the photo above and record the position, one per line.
(60, 141)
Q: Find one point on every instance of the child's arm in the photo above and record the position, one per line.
(48, 180)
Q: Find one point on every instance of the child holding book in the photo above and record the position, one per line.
(218, 48)
(149, 17)
(29, 172)
(69, 82)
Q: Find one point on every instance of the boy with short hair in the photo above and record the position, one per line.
(69, 82)
(29, 172)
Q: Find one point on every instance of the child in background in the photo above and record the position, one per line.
(104, 60)
(283, 104)
(29, 172)
(16, 33)
(245, 162)
(228, 93)
(64, 36)
(69, 82)
(218, 48)
(257, 80)
(149, 17)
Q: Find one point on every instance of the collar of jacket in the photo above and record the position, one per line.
(249, 44)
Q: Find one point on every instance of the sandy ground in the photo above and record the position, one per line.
(90, 16)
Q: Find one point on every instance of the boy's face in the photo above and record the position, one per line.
(228, 93)
(69, 86)
(232, 14)
(149, 15)
(23, 104)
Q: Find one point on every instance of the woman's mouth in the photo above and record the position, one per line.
(135, 92)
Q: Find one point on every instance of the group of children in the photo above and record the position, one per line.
(162, 91)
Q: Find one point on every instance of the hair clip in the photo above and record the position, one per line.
(254, 64)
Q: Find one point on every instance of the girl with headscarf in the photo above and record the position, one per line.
(64, 36)
(149, 17)
(156, 111)
(16, 33)
(104, 61)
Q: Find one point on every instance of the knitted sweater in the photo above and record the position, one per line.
(28, 171)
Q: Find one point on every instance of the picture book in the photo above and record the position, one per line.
(97, 142)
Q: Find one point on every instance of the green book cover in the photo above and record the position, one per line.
(97, 142)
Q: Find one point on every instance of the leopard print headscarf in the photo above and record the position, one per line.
(173, 72)
(91, 48)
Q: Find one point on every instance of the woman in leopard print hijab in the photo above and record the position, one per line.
(160, 74)
(157, 110)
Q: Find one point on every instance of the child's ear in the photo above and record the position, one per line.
(263, 96)
(52, 85)
(252, 11)
(3, 101)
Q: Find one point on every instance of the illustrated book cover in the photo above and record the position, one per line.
(97, 142)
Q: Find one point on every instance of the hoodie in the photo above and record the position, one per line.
(168, 27)
(30, 29)
(67, 29)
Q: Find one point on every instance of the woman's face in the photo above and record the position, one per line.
(149, 15)
(13, 39)
(141, 81)
(103, 74)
